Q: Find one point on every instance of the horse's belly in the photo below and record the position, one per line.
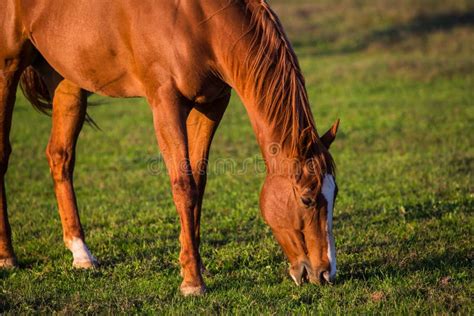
(105, 76)
(116, 84)
(106, 70)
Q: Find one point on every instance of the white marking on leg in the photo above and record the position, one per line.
(328, 190)
(80, 252)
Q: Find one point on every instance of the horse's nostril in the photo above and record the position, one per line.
(320, 277)
(299, 274)
(326, 277)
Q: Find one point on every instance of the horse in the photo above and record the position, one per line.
(185, 58)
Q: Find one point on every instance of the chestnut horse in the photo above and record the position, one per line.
(184, 57)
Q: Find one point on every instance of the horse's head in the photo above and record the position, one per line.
(300, 216)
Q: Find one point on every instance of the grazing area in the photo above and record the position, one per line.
(401, 79)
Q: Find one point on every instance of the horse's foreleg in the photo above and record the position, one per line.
(10, 71)
(201, 125)
(69, 109)
(170, 111)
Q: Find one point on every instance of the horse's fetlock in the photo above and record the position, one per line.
(187, 258)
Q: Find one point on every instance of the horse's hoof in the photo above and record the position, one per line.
(8, 263)
(85, 264)
(191, 290)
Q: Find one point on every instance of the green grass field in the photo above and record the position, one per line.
(400, 77)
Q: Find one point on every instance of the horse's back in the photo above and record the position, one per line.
(110, 47)
(125, 48)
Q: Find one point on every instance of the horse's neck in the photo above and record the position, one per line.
(261, 66)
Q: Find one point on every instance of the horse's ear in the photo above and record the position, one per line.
(330, 135)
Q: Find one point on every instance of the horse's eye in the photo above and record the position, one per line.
(308, 201)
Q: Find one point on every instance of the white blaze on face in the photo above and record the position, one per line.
(328, 190)
(80, 252)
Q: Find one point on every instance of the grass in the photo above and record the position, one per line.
(401, 80)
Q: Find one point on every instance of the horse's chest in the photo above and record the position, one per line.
(202, 89)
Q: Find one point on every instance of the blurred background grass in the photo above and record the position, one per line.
(399, 74)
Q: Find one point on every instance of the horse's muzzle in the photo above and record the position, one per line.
(303, 272)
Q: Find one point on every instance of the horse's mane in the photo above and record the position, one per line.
(278, 82)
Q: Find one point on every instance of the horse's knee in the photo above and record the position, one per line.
(60, 162)
(184, 187)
